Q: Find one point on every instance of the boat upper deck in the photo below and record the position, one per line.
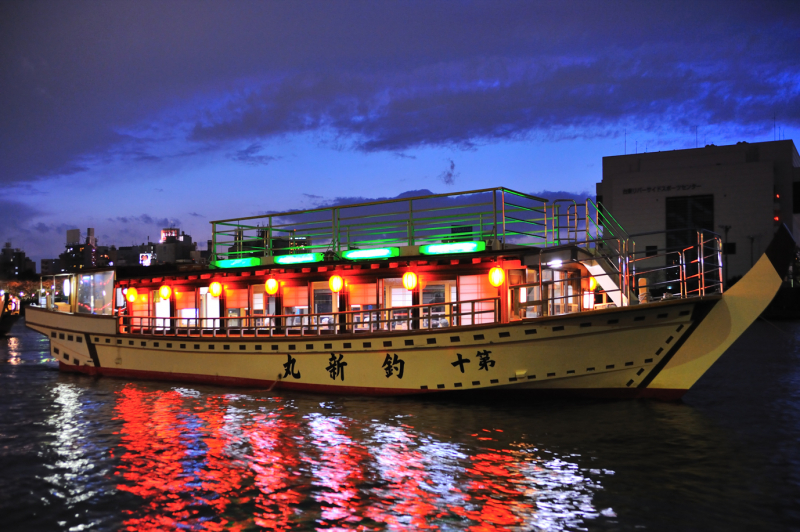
(492, 218)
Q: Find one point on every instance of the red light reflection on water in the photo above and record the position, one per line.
(201, 462)
(497, 491)
(339, 470)
(405, 503)
(161, 464)
(273, 461)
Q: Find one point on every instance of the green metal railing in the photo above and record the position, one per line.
(501, 217)
(494, 215)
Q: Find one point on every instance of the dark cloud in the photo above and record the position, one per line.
(196, 215)
(77, 77)
(448, 177)
(250, 155)
(147, 220)
(15, 217)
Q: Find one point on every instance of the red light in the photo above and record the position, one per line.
(410, 280)
(271, 286)
(776, 218)
(335, 283)
(777, 196)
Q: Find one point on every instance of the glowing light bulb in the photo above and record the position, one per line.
(497, 276)
(165, 291)
(335, 283)
(131, 295)
(215, 289)
(271, 286)
(410, 280)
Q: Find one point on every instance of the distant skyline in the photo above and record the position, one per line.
(131, 116)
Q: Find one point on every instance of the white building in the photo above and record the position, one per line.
(746, 190)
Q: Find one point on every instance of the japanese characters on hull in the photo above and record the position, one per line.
(484, 361)
(393, 365)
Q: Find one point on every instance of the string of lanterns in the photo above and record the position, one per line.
(497, 276)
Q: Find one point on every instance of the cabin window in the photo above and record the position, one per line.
(186, 308)
(263, 305)
(236, 306)
(395, 296)
(161, 310)
(140, 308)
(120, 298)
(439, 291)
(521, 296)
(363, 299)
(473, 288)
(209, 309)
(96, 293)
(562, 291)
(325, 303)
(295, 305)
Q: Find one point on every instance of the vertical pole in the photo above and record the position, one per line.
(503, 196)
(269, 238)
(719, 259)
(410, 223)
(213, 256)
(494, 214)
(701, 263)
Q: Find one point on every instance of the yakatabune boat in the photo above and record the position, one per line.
(482, 290)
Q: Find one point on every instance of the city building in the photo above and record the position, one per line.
(51, 267)
(742, 192)
(14, 264)
(174, 247)
(79, 253)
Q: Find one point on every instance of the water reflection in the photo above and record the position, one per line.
(14, 356)
(72, 475)
(213, 462)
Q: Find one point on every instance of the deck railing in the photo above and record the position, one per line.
(493, 215)
(416, 317)
(501, 217)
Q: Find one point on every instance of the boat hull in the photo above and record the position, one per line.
(605, 353)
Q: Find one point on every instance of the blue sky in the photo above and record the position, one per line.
(127, 116)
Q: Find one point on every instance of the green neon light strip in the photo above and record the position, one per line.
(455, 247)
(238, 263)
(377, 253)
(299, 259)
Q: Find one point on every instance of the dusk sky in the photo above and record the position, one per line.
(132, 116)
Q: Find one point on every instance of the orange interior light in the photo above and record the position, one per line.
(165, 291)
(131, 294)
(497, 276)
(410, 280)
(592, 283)
(215, 289)
(271, 286)
(335, 283)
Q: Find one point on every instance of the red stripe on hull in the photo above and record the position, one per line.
(593, 393)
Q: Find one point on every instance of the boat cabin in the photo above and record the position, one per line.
(429, 262)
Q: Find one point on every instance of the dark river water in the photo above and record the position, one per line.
(78, 453)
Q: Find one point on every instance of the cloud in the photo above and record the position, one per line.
(76, 76)
(146, 219)
(196, 215)
(448, 177)
(250, 155)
